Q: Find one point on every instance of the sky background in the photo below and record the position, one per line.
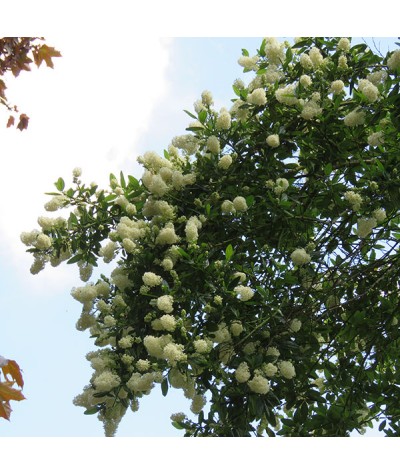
(116, 93)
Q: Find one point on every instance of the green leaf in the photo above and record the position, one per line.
(382, 425)
(183, 253)
(328, 169)
(92, 410)
(122, 178)
(202, 116)
(164, 387)
(60, 184)
(177, 425)
(72, 220)
(190, 114)
(133, 182)
(74, 259)
(228, 252)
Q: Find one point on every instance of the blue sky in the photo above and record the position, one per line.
(84, 114)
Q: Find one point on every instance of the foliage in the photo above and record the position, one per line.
(256, 262)
(7, 391)
(16, 55)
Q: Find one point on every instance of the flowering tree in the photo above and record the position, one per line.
(256, 261)
(16, 55)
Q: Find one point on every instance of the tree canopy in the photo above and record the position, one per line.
(255, 263)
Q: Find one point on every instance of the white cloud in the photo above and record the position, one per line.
(89, 111)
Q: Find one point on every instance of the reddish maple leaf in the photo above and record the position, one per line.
(45, 53)
(10, 121)
(23, 122)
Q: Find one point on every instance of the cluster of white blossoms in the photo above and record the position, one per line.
(365, 226)
(354, 118)
(287, 95)
(248, 62)
(244, 293)
(300, 257)
(36, 239)
(281, 185)
(273, 140)
(311, 109)
(238, 205)
(242, 373)
(213, 144)
(369, 90)
(257, 97)
(225, 162)
(337, 87)
(305, 80)
(259, 384)
(224, 120)
(151, 279)
(376, 138)
(165, 303)
(355, 199)
(274, 51)
(286, 369)
(394, 60)
(192, 228)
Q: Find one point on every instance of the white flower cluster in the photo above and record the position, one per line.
(287, 95)
(286, 369)
(365, 226)
(225, 162)
(167, 235)
(300, 257)
(244, 293)
(305, 80)
(311, 109)
(376, 138)
(257, 97)
(273, 140)
(274, 51)
(337, 86)
(344, 45)
(106, 381)
(223, 121)
(259, 384)
(354, 118)
(394, 60)
(192, 228)
(36, 239)
(242, 373)
(369, 90)
(165, 303)
(151, 279)
(281, 186)
(248, 62)
(213, 144)
(355, 199)
(202, 346)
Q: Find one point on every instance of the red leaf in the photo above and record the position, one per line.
(5, 410)
(7, 393)
(14, 371)
(10, 121)
(45, 53)
(23, 122)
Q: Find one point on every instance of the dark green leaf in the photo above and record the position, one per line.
(164, 387)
